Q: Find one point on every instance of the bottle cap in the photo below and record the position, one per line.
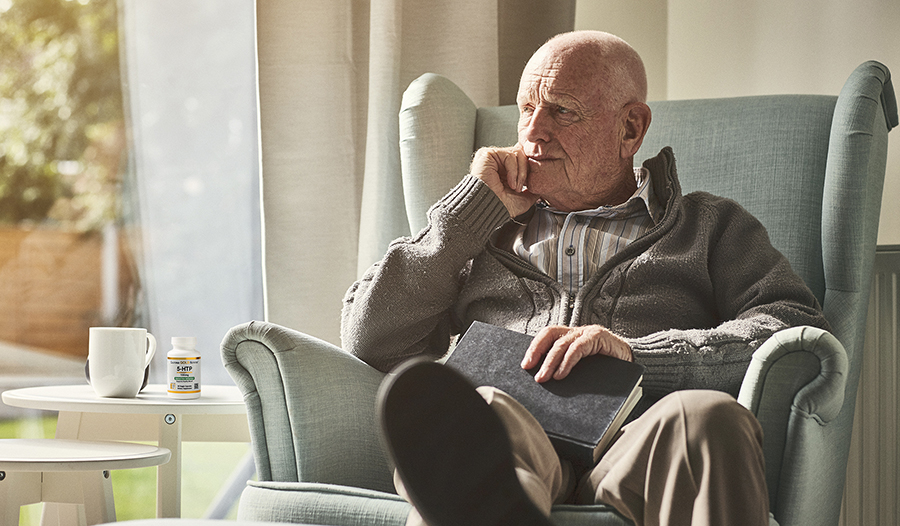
(184, 341)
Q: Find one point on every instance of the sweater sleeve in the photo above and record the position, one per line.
(756, 293)
(401, 306)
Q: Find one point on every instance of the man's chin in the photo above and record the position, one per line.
(537, 183)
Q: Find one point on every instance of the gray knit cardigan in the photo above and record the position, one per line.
(694, 296)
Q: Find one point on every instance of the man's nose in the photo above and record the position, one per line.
(539, 127)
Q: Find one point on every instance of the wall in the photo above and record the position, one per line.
(759, 47)
(642, 23)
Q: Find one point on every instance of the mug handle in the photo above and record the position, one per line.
(151, 350)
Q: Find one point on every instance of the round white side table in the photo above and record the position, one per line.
(219, 415)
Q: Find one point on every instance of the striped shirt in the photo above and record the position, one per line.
(572, 246)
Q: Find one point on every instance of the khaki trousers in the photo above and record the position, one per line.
(694, 458)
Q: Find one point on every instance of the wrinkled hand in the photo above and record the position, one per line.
(505, 171)
(565, 346)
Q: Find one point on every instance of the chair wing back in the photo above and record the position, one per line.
(437, 131)
(767, 153)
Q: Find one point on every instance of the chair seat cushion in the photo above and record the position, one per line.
(311, 503)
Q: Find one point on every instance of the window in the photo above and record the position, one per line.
(129, 184)
(129, 187)
(63, 264)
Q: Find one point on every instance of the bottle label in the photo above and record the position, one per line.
(184, 375)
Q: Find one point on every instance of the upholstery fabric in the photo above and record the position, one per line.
(280, 372)
(449, 160)
(810, 167)
(302, 503)
(782, 140)
(805, 373)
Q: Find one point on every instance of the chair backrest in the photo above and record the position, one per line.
(811, 168)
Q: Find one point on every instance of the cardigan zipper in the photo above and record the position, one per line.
(570, 309)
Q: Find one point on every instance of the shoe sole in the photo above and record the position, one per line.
(451, 450)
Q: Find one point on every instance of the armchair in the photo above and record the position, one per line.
(810, 167)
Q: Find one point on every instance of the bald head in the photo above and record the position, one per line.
(582, 118)
(603, 59)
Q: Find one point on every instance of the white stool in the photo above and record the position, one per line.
(67, 472)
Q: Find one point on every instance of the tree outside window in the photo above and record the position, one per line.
(63, 264)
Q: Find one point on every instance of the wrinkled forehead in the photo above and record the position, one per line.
(557, 77)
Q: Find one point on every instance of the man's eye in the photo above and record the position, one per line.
(566, 116)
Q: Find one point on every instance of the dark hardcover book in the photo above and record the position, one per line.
(580, 413)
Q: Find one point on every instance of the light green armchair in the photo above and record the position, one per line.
(810, 167)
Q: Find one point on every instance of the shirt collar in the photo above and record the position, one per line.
(642, 201)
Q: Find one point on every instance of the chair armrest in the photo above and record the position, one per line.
(310, 405)
(813, 381)
(799, 374)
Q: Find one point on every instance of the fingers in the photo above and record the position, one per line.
(578, 348)
(490, 164)
(515, 176)
(570, 347)
(540, 345)
(563, 347)
(505, 171)
(519, 167)
(506, 166)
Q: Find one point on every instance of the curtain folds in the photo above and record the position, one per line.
(410, 37)
(331, 76)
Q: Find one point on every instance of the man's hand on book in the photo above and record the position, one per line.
(562, 347)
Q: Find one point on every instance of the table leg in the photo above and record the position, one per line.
(168, 475)
(99, 505)
(17, 489)
(83, 497)
(68, 425)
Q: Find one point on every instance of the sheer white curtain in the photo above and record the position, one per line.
(191, 192)
(331, 76)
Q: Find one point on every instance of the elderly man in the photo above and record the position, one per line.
(561, 237)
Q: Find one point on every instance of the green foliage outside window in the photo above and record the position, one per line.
(61, 121)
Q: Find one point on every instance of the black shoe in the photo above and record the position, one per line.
(451, 450)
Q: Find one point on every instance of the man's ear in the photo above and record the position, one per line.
(635, 120)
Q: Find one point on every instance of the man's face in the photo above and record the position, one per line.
(570, 134)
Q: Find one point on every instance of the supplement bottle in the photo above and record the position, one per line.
(183, 368)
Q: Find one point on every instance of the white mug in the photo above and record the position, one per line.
(117, 357)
